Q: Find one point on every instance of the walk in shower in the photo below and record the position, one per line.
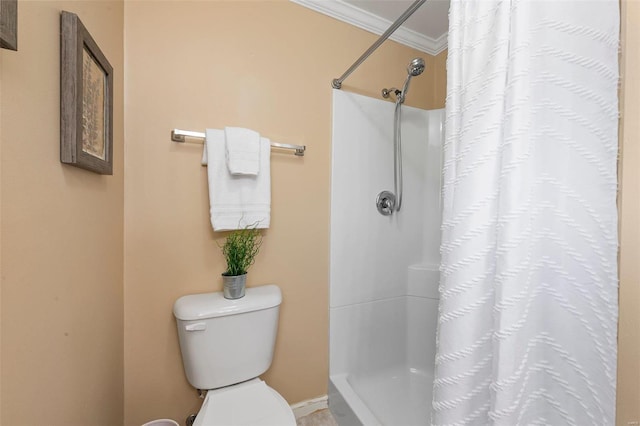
(384, 269)
(384, 252)
(528, 303)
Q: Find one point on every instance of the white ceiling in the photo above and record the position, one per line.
(425, 30)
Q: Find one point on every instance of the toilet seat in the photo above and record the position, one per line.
(251, 403)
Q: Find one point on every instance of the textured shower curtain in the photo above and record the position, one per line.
(528, 311)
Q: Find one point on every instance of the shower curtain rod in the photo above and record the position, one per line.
(337, 82)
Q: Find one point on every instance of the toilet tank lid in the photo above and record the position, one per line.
(211, 305)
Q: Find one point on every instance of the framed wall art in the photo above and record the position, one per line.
(9, 24)
(86, 99)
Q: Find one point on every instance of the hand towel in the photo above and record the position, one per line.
(205, 154)
(237, 201)
(242, 151)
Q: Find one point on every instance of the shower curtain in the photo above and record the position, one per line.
(528, 311)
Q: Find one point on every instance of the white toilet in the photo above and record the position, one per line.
(226, 345)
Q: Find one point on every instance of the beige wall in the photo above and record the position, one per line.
(629, 326)
(439, 81)
(265, 65)
(262, 65)
(62, 237)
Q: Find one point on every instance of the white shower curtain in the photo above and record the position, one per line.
(528, 311)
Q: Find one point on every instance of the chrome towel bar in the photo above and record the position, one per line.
(178, 135)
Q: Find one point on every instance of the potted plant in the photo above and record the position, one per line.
(239, 249)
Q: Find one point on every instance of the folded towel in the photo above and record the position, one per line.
(237, 200)
(205, 154)
(243, 151)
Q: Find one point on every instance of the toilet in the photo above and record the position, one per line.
(226, 344)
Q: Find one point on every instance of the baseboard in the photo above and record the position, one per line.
(307, 407)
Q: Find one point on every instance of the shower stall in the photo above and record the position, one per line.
(384, 252)
(384, 268)
(529, 286)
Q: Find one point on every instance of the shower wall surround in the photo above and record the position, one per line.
(383, 269)
(367, 247)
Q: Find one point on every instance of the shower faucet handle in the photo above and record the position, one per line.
(385, 202)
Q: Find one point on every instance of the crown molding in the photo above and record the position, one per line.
(345, 12)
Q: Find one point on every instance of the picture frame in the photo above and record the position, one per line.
(9, 24)
(86, 99)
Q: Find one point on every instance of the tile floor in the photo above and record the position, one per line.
(317, 418)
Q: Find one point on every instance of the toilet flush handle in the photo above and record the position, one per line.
(199, 326)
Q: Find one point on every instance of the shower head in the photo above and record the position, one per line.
(415, 67)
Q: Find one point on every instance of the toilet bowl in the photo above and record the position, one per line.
(162, 422)
(225, 345)
(251, 403)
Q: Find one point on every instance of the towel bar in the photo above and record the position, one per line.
(178, 135)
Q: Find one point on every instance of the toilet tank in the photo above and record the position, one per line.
(224, 341)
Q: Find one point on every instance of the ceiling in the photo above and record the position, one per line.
(425, 30)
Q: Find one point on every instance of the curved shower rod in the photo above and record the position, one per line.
(337, 82)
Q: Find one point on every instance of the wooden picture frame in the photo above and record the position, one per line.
(9, 24)
(86, 99)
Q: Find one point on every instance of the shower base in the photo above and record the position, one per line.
(397, 396)
(383, 356)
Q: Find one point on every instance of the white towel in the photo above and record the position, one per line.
(242, 151)
(237, 201)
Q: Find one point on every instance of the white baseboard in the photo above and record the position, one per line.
(307, 407)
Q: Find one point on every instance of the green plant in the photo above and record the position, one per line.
(240, 249)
